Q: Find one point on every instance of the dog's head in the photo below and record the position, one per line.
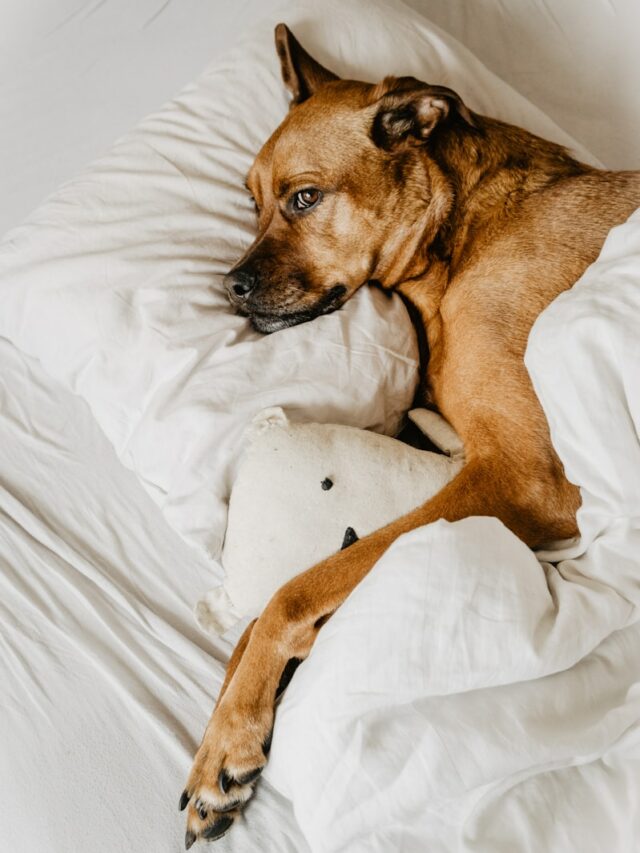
(345, 190)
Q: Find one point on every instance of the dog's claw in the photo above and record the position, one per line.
(184, 800)
(224, 781)
(225, 771)
(249, 777)
(217, 829)
(189, 839)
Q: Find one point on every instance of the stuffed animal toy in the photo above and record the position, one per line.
(305, 490)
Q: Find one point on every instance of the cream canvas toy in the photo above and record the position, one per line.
(305, 490)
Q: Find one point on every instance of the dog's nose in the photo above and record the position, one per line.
(241, 282)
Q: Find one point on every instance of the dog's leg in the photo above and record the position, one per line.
(200, 814)
(237, 739)
(236, 656)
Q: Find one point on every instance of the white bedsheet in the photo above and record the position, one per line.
(76, 74)
(107, 683)
(467, 696)
(578, 60)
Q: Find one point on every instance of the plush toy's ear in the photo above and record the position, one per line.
(409, 111)
(301, 74)
(266, 419)
(439, 431)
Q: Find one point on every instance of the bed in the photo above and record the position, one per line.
(107, 680)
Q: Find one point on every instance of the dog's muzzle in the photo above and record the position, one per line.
(240, 285)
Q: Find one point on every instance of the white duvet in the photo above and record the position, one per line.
(468, 696)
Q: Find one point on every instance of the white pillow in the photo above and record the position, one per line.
(115, 282)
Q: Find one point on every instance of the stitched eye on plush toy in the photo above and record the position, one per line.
(327, 484)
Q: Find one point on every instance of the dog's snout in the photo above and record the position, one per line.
(241, 282)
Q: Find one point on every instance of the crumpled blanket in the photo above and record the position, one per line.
(471, 695)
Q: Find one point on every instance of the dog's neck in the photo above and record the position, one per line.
(478, 179)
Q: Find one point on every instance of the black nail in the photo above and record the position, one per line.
(218, 828)
(184, 800)
(202, 812)
(249, 777)
(224, 781)
(326, 484)
(189, 838)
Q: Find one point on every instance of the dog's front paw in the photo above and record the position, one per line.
(227, 765)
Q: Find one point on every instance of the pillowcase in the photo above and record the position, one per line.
(115, 282)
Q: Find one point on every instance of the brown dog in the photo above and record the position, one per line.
(479, 225)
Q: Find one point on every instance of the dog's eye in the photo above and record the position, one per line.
(306, 199)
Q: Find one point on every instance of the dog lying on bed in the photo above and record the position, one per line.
(479, 225)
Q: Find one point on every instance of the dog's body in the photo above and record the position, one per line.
(480, 225)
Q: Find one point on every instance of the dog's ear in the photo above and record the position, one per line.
(301, 74)
(409, 111)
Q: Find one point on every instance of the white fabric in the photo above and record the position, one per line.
(578, 60)
(115, 285)
(467, 696)
(115, 282)
(284, 517)
(74, 74)
(107, 683)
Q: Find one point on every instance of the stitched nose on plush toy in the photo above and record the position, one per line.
(350, 536)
